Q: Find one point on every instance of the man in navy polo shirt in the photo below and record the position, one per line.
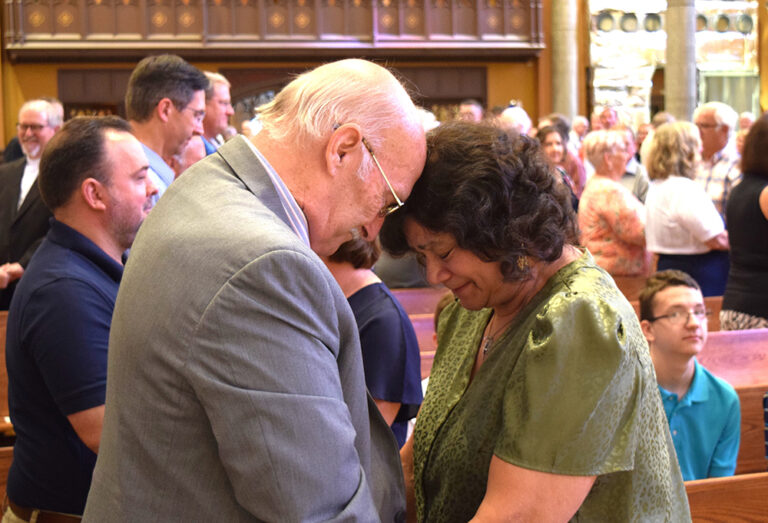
(93, 177)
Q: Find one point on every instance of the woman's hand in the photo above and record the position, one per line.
(517, 494)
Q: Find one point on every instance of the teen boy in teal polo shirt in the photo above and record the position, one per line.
(702, 410)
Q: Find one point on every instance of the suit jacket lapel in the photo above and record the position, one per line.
(247, 167)
(12, 190)
(31, 199)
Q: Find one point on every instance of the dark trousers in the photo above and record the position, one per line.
(710, 270)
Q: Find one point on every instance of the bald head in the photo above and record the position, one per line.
(515, 119)
(347, 91)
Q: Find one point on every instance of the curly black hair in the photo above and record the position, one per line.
(493, 192)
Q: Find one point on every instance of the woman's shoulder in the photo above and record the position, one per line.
(588, 293)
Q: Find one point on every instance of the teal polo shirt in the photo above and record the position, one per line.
(705, 426)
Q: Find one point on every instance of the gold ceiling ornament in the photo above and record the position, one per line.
(276, 20)
(302, 20)
(357, 3)
(517, 21)
(159, 19)
(412, 21)
(411, 3)
(36, 18)
(186, 19)
(386, 3)
(185, 2)
(493, 21)
(65, 18)
(387, 20)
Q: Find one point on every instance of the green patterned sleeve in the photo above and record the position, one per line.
(572, 402)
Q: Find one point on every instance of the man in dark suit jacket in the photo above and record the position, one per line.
(24, 218)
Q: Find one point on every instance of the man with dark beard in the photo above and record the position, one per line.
(93, 177)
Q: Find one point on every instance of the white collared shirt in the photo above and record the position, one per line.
(31, 168)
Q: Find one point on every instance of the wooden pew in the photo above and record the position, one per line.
(424, 325)
(6, 458)
(741, 358)
(630, 286)
(5, 421)
(420, 300)
(751, 456)
(741, 498)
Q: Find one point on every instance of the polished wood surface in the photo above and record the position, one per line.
(422, 300)
(742, 498)
(5, 420)
(6, 458)
(739, 357)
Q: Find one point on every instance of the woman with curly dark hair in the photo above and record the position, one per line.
(542, 403)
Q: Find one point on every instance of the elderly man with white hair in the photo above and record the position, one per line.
(719, 169)
(24, 218)
(514, 118)
(241, 397)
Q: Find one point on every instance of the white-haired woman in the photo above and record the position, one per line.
(612, 219)
(682, 224)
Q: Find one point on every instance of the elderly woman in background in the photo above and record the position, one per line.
(682, 224)
(745, 305)
(542, 403)
(612, 219)
(391, 359)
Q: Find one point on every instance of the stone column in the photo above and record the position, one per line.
(565, 47)
(680, 70)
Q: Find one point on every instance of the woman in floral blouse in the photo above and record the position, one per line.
(612, 219)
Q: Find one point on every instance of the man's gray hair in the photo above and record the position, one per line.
(347, 91)
(722, 113)
(52, 114)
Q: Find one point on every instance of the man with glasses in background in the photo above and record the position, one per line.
(165, 105)
(23, 215)
(718, 170)
(236, 389)
(702, 410)
(218, 110)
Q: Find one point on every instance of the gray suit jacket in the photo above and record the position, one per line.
(235, 388)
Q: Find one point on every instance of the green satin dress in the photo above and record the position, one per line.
(569, 388)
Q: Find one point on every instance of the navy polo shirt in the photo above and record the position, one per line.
(391, 358)
(56, 354)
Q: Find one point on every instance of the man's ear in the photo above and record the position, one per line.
(163, 109)
(94, 194)
(344, 149)
(647, 327)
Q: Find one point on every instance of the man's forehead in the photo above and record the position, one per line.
(678, 295)
(28, 115)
